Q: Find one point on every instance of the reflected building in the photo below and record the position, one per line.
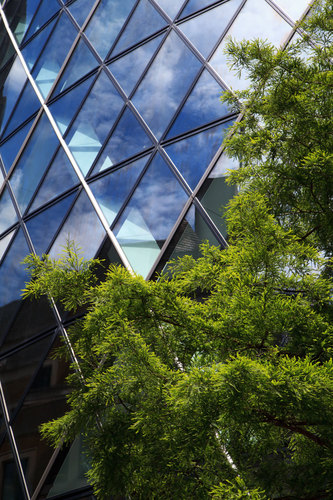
(110, 135)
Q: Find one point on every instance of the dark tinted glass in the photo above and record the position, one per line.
(19, 15)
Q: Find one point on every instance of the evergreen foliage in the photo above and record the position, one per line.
(216, 380)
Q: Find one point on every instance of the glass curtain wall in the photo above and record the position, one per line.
(110, 135)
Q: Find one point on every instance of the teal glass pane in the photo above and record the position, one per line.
(170, 7)
(128, 69)
(102, 34)
(19, 15)
(33, 162)
(82, 226)
(43, 227)
(27, 105)
(127, 139)
(193, 155)
(64, 108)
(150, 215)
(60, 177)
(11, 147)
(80, 10)
(81, 62)
(212, 23)
(166, 83)
(46, 10)
(202, 106)
(194, 5)
(32, 50)
(144, 21)
(111, 191)
(94, 122)
(54, 54)
(216, 192)
(11, 83)
(8, 215)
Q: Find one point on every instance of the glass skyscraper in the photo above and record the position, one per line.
(110, 135)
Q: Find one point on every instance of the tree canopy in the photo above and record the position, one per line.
(216, 379)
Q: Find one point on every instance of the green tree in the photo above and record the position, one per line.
(216, 380)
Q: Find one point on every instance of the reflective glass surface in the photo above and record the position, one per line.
(43, 226)
(212, 23)
(127, 139)
(150, 216)
(103, 34)
(170, 7)
(94, 122)
(294, 9)
(144, 21)
(10, 482)
(81, 226)
(202, 106)
(19, 15)
(32, 50)
(46, 10)
(257, 19)
(7, 49)
(4, 242)
(194, 5)
(33, 162)
(193, 155)
(167, 81)
(11, 84)
(7, 211)
(80, 10)
(129, 68)
(54, 54)
(111, 191)
(11, 147)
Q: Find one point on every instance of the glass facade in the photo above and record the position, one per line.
(110, 135)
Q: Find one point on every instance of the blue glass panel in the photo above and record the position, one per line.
(170, 7)
(32, 50)
(33, 162)
(150, 216)
(64, 109)
(128, 139)
(12, 275)
(194, 5)
(43, 227)
(202, 106)
(7, 48)
(45, 12)
(26, 106)
(193, 155)
(129, 68)
(81, 226)
(111, 191)
(60, 177)
(94, 122)
(11, 147)
(81, 62)
(212, 24)
(80, 10)
(4, 242)
(54, 54)
(19, 16)
(103, 34)
(166, 83)
(144, 21)
(7, 212)
(11, 84)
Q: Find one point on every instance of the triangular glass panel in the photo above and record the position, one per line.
(11, 484)
(144, 21)
(33, 162)
(26, 106)
(130, 67)
(127, 139)
(80, 10)
(101, 34)
(32, 50)
(11, 147)
(212, 23)
(150, 215)
(194, 5)
(294, 9)
(111, 191)
(171, 8)
(81, 62)
(44, 13)
(193, 155)
(7, 47)
(81, 226)
(202, 106)
(64, 108)
(43, 226)
(216, 192)
(60, 177)
(19, 16)
(4, 242)
(7, 211)
(11, 83)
